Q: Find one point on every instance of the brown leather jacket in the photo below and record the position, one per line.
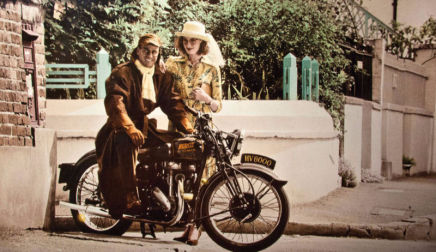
(123, 96)
(124, 90)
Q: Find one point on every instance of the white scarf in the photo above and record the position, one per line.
(147, 81)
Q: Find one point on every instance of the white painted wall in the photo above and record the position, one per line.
(417, 140)
(309, 165)
(394, 130)
(376, 141)
(353, 137)
(426, 58)
(392, 147)
(27, 176)
(299, 135)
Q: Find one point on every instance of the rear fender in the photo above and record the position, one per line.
(69, 171)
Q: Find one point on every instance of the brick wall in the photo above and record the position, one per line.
(15, 120)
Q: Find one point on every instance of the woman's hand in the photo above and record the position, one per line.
(200, 95)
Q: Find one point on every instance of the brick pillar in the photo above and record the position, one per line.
(15, 125)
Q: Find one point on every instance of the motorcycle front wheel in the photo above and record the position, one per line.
(85, 192)
(251, 224)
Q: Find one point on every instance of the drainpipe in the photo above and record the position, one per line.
(395, 6)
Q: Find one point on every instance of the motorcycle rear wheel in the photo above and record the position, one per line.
(253, 228)
(85, 193)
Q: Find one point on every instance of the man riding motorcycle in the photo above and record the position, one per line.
(134, 89)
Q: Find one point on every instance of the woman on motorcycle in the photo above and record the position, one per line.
(196, 73)
(198, 80)
(133, 90)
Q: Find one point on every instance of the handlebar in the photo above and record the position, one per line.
(191, 110)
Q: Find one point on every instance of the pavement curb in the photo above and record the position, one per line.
(66, 224)
(417, 228)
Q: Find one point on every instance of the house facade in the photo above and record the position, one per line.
(397, 118)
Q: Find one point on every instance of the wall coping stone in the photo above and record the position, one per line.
(405, 65)
(259, 119)
(258, 134)
(350, 100)
(407, 109)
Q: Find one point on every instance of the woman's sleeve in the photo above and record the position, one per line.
(217, 92)
(172, 69)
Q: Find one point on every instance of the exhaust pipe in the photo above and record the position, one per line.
(87, 209)
(102, 212)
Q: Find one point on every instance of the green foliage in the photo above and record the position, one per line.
(409, 160)
(407, 39)
(84, 27)
(254, 36)
(179, 13)
(346, 172)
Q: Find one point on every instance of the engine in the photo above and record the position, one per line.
(157, 186)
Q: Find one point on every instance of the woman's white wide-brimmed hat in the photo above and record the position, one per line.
(194, 29)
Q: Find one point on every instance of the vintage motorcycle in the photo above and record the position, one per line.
(241, 207)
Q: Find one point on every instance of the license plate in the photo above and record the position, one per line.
(258, 159)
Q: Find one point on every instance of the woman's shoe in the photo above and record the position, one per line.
(193, 236)
(185, 234)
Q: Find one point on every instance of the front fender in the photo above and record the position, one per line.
(259, 169)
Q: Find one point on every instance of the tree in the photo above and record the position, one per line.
(87, 26)
(84, 27)
(254, 37)
(407, 39)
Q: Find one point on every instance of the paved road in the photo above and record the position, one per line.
(37, 240)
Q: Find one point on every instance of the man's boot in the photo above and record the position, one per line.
(133, 204)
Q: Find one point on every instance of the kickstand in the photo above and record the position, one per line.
(150, 227)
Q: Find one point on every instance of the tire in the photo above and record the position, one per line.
(234, 229)
(85, 188)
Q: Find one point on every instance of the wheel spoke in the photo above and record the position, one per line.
(92, 183)
(87, 189)
(223, 219)
(271, 208)
(253, 230)
(262, 219)
(268, 203)
(261, 193)
(226, 225)
(240, 233)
